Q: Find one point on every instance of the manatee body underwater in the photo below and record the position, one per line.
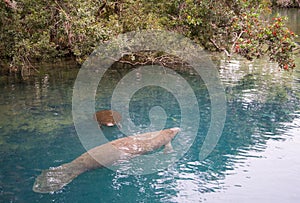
(55, 178)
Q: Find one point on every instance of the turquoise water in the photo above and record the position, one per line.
(262, 126)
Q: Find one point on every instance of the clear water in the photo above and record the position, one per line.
(262, 130)
(256, 159)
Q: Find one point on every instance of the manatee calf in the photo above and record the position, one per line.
(107, 117)
(56, 178)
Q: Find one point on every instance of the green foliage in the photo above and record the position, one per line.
(7, 30)
(42, 30)
(240, 27)
(259, 38)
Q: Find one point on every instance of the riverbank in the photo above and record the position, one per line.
(46, 31)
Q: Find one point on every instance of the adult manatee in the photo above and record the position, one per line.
(56, 178)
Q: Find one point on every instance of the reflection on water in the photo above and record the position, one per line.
(256, 159)
(265, 101)
(272, 178)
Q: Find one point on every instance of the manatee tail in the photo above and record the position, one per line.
(55, 178)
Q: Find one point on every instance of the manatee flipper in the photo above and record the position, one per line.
(55, 178)
(168, 148)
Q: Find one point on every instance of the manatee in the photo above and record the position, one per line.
(108, 117)
(55, 178)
